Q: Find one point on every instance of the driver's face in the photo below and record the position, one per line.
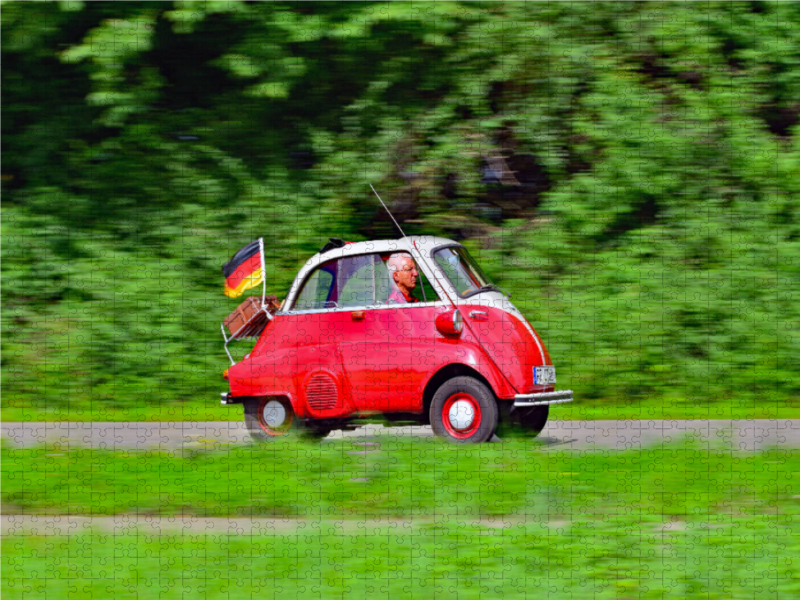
(406, 275)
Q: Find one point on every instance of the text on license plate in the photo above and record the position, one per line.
(544, 375)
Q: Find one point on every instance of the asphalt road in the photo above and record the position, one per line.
(574, 435)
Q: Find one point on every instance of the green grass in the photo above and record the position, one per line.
(400, 478)
(210, 410)
(583, 409)
(674, 408)
(410, 518)
(620, 557)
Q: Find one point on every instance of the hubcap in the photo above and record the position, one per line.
(461, 414)
(273, 414)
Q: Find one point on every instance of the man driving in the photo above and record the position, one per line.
(404, 274)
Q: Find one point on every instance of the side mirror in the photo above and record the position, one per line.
(450, 323)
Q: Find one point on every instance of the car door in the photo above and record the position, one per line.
(385, 347)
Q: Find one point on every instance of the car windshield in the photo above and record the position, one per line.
(461, 269)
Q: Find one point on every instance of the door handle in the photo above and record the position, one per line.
(479, 315)
(357, 315)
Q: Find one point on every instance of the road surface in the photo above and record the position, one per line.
(574, 435)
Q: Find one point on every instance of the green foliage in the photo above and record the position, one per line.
(653, 241)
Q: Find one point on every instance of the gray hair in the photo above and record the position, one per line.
(394, 262)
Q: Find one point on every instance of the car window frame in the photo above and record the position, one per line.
(436, 266)
(293, 311)
(306, 281)
(352, 275)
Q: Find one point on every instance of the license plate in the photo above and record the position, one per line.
(544, 375)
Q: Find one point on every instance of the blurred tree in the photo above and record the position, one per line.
(626, 169)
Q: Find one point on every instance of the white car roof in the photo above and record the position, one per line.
(422, 243)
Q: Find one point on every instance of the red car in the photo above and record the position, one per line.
(410, 328)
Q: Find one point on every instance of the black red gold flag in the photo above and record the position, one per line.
(245, 270)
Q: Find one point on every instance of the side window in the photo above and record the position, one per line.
(358, 275)
(357, 281)
(425, 291)
(317, 290)
(383, 282)
(388, 291)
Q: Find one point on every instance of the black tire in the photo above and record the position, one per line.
(522, 423)
(312, 432)
(473, 421)
(269, 419)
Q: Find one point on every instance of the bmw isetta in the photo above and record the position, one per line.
(409, 328)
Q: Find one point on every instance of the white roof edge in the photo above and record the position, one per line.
(424, 242)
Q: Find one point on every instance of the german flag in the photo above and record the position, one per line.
(245, 270)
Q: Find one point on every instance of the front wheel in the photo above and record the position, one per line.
(523, 422)
(464, 410)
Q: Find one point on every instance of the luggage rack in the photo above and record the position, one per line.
(251, 329)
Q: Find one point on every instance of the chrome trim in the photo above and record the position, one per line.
(542, 403)
(456, 327)
(225, 337)
(543, 398)
(474, 314)
(312, 311)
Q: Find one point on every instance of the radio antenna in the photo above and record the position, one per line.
(388, 211)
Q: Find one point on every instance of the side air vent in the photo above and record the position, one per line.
(321, 392)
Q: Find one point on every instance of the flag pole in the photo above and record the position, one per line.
(263, 271)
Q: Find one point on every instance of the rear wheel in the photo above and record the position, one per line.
(464, 410)
(268, 419)
(312, 432)
(522, 422)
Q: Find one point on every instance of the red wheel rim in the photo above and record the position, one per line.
(267, 414)
(458, 424)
